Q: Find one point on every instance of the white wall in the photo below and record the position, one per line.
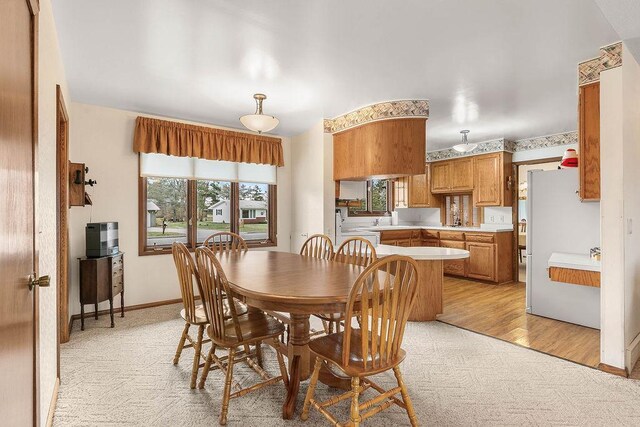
(51, 73)
(307, 185)
(631, 176)
(620, 212)
(103, 139)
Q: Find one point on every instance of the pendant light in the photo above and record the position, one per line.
(465, 146)
(259, 122)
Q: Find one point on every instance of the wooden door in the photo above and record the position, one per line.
(462, 175)
(481, 263)
(488, 180)
(589, 139)
(440, 177)
(18, 305)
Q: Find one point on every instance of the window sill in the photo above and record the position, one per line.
(166, 250)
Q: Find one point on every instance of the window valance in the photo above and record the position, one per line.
(184, 140)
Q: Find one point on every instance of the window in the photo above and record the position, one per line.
(166, 211)
(378, 199)
(254, 206)
(189, 209)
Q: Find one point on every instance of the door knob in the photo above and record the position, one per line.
(42, 281)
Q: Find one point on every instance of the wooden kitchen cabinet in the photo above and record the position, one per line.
(482, 261)
(420, 195)
(452, 176)
(493, 181)
(440, 172)
(385, 148)
(589, 142)
(455, 267)
(462, 175)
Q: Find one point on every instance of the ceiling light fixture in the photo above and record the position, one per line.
(259, 122)
(465, 146)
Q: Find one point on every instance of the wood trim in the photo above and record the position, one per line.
(54, 401)
(62, 218)
(621, 372)
(34, 6)
(128, 308)
(143, 250)
(537, 161)
(574, 276)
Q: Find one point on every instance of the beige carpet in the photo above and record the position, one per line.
(124, 376)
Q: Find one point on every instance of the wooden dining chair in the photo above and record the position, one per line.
(386, 290)
(355, 251)
(225, 241)
(191, 313)
(230, 333)
(318, 246)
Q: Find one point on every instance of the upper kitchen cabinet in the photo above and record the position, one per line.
(382, 149)
(493, 181)
(452, 176)
(419, 190)
(589, 141)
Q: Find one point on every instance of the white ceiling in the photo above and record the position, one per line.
(501, 68)
(624, 16)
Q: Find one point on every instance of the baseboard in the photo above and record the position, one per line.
(633, 353)
(54, 401)
(126, 308)
(621, 372)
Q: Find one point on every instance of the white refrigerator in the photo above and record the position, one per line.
(557, 221)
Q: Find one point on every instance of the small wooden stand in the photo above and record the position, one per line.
(100, 280)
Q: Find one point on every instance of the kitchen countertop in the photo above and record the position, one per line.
(484, 229)
(573, 261)
(421, 253)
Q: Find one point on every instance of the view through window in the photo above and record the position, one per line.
(377, 201)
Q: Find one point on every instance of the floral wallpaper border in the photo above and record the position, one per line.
(378, 111)
(610, 57)
(497, 145)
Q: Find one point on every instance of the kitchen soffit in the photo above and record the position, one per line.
(501, 68)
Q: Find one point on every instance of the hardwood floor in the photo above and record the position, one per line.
(499, 311)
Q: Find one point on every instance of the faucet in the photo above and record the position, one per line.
(376, 222)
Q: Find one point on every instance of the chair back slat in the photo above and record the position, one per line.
(187, 276)
(356, 251)
(225, 242)
(214, 291)
(318, 246)
(384, 294)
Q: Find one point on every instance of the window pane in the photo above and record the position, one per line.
(166, 211)
(359, 209)
(213, 208)
(254, 215)
(379, 195)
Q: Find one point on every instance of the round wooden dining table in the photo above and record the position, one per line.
(294, 284)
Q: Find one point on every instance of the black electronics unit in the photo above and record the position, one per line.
(102, 239)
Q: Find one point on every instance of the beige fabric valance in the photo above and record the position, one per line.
(180, 139)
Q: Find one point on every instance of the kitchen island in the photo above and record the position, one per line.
(430, 273)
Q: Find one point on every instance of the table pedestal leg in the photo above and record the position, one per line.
(298, 355)
(429, 299)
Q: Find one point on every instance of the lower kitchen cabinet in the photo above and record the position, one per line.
(454, 267)
(482, 261)
(490, 254)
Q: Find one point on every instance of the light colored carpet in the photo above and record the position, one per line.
(124, 376)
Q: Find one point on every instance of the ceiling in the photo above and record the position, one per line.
(624, 16)
(500, 68)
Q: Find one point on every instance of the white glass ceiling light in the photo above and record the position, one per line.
(465, 146)
(259, 122)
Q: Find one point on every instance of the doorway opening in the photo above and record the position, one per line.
(62, 218)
